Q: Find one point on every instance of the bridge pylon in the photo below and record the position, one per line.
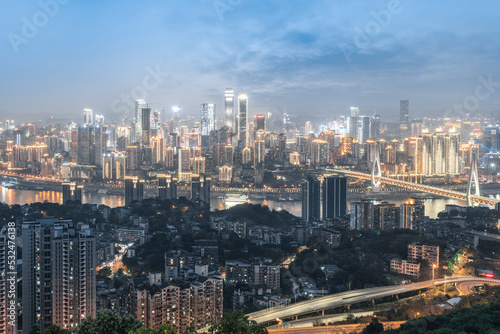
(472, 175)
(376, 166)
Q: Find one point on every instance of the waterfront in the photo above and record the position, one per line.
(15, 196)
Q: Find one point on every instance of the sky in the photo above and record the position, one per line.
(313, 57)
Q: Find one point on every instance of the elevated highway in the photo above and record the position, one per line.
(349, 298)
(418, 187)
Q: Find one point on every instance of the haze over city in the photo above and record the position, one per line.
(317, 57)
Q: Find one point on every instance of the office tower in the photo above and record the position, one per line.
(242, 121)
(146, 126)
(364, 129)
(167, 187)
(207, 122)
(412, 214)
(334, 197)
(59, 268)
(311, 199)
(352, 123)
(375, 126)
(184, 160)
(74, 145)
(404, 119)
(156, 121)
(88, 117)
(72, 192)
(259, 152)
(83, 148)
(139, 105)
(97, 144)
(229, 115)
(99, 120)
(134, 189)
(260, 122)
(200, 189)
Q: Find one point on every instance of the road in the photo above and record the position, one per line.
(487, 236)
(465, 287)
(350, 297)
(355, 328)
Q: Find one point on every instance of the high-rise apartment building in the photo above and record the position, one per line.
(194, 304)
(72, 192)
(311, 199)
(440, 153)
(134, 189)
(259, 122)
(167, 186)
(229, 115)
(59, 284)
(412, 214)
(334, 197)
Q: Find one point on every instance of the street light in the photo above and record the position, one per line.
(433, 267)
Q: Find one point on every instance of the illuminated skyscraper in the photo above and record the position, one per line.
(88, 117)
(72, 192)
(259, 152)
(139, 105)
(259, 122)
(229, 112)
(411, 214)
(242, 121)
(146, 126)
(207, 122)
(167, 186)
(134, 189)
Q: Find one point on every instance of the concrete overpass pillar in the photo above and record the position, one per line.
(323, 312)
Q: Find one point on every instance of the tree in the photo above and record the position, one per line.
(373, 327)
(164, 329)
(104, 272)
(53, 329)
(108, 322)
(237, 323)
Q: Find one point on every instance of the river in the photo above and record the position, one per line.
(16, 196)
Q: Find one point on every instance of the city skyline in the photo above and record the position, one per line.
(301, 58)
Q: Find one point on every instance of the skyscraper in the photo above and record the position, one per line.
(72, 192)
(412, 214)
(88, 117)
(229, 112)
(242, 121)
(260, 122)
(134, 189)
(139, 105)
(59, 268)
(207, 122)
(334, 197)
(146, 126)
(404, 119)
(352, 126)
(167, 187)
(311, 199)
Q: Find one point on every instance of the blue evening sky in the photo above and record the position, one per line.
(303, 57)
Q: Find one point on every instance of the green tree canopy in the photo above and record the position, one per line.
(237, 323)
